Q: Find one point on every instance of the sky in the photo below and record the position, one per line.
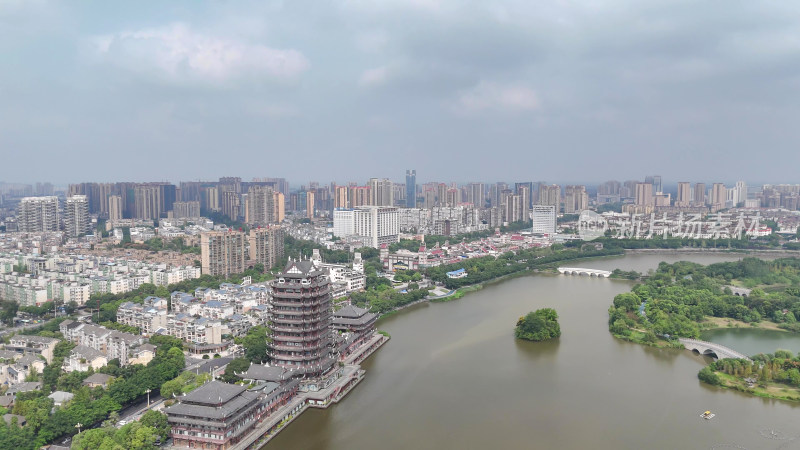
(351, 89)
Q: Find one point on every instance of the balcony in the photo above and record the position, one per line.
(278, 347)
(304, 338)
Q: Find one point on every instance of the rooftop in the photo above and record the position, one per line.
(350, 312)
(213, 393)
(97, 378)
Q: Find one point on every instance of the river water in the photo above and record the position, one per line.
(454, 377)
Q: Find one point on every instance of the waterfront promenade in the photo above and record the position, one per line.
(277, 421)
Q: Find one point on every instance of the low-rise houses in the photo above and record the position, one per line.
(97, 380)
(82, 357)
(32, 345)
(60, 397)
(147, 317)
(14, 368)
(111, 343)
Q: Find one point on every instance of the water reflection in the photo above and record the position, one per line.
(537, 350)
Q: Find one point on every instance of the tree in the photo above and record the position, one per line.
(237, 365)
(707, 375)
(157, 421)
(255, 344)
(98, 438)
(8, 311)
(538, 325)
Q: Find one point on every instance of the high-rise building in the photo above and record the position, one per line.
(662, 199)
(611, 187)
(211, 196)
(148, 202)
(340, 197)
(381, 192)
(550, 195)
(476, 194)
(115, 207)
(222, 252)
(684, 198)
(452, 197)
(524, 190)
(719, 195)
(609, 192)
(266, 245)
(280, 206)
(528, 199)
(512, 207)
(38, 214)
(741, 193)
(343, 222)
(183, 210)
(359, 196)
(310, 206)
(76, 216)
(300, 330)
(375, 225)
(699, 194)
(231, 204)
(411, 188)
(544, 219)
(575, 199)
(628, 190)
(44, 189)
(644, 194)
(261, 206)
(655, 181)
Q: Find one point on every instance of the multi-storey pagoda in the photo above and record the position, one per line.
(300, 319)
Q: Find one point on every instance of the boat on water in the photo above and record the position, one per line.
(708, 415)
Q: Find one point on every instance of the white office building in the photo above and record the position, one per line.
(343, 222)
(544, 219)
(373, 225)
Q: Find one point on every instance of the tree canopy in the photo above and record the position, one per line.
(539, 325)
(679, 297)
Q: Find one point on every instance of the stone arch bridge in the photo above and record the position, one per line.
(711, 349)
(581, 271)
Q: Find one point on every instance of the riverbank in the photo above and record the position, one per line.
(777, 391)
(352, 375)
(715, 323)
(692, 250)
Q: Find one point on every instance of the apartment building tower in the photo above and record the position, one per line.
(76, 216)
(266, 245)
(38, 214)
(222, 252)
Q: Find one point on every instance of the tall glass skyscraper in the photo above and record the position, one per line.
(411, 188)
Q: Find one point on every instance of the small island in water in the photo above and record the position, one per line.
(539, 325)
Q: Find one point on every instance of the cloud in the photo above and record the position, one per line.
(490, 96)
(372, 41)
(374, 77)
(179, 54)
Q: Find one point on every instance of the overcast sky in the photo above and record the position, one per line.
(346, 90)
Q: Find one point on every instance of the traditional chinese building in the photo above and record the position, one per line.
(215, 416)
(301, 320)
(359, 322)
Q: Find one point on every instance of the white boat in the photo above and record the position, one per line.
(708, 415)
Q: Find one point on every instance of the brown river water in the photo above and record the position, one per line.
(454, 377)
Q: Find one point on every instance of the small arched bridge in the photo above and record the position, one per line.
(711, 349)
(581, 271)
